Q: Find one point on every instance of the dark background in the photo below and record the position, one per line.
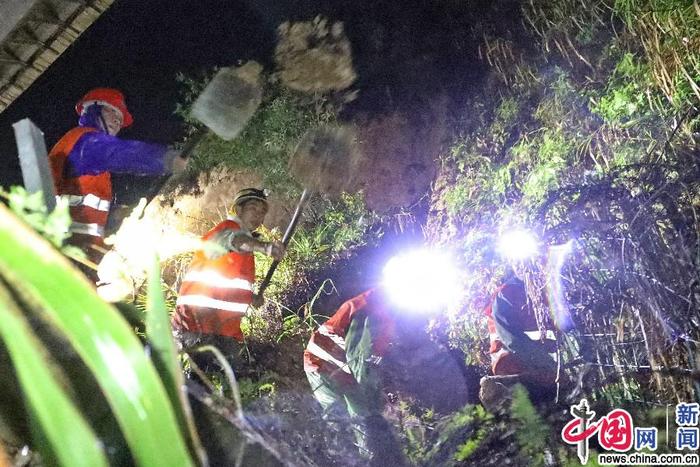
(404, 52)
(138, 47)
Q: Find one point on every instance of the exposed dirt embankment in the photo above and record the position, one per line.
(399, 158)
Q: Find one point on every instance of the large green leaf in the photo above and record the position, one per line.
(71, 439)
(158, 331)
(101, 337)
(164, 354)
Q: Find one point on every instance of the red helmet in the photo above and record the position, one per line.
(108, 96)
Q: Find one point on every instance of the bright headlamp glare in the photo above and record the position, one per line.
(421, 281)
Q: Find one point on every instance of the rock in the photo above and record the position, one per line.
(496, 393)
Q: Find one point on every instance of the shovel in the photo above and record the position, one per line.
(228, 102)
(322, 162)
(224, 107)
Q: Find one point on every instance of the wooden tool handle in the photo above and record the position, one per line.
(193, 142)
(305, 195)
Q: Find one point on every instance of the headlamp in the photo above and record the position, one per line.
(421, 281)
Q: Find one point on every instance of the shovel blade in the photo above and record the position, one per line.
(229, 100)
(325, 158)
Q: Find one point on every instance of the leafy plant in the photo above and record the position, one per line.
(69, 438)
(252, 390)
(479, 418)
(626, 99)
(532, 432)
(41, 285)
(471, 445)
(53, 225)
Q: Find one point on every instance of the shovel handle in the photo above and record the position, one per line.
(185, 153)
(305, 195)
(193, 142)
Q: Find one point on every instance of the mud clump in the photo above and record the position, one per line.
(314, 56)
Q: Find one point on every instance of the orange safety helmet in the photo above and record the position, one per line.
(106, 96)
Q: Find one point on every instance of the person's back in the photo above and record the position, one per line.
(341, 361)
(326, 351)
(516, 346)
(518, 352)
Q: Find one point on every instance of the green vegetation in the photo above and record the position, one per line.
(268, 140)
(587, 131)
(585, 128)
(53, 226)
(532, 433)
(472, 444)
(252, 390)
(447, 440)
(41, 287)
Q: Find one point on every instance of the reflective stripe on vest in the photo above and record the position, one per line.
(199, 284)
(212, 278)
(96, 230)
(496, 356)
(207, 302)
(535, 335)
(497, 350)
(337, 340)
(334, 344)
(90, 200)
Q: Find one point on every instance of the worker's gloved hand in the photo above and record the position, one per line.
(212, 249)
(258, 301)
(173, 162)
(276, 250)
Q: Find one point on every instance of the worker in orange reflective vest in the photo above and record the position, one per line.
(341, 363)
(83, 160)
(218, 287)
(517, 346)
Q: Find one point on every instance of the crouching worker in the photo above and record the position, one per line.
(341, 363)
(519, 352)
(218, 288)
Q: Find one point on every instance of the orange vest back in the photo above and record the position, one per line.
(326, 353)
(504, 362)
(93, 210)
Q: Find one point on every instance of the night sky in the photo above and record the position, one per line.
(139, 46)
